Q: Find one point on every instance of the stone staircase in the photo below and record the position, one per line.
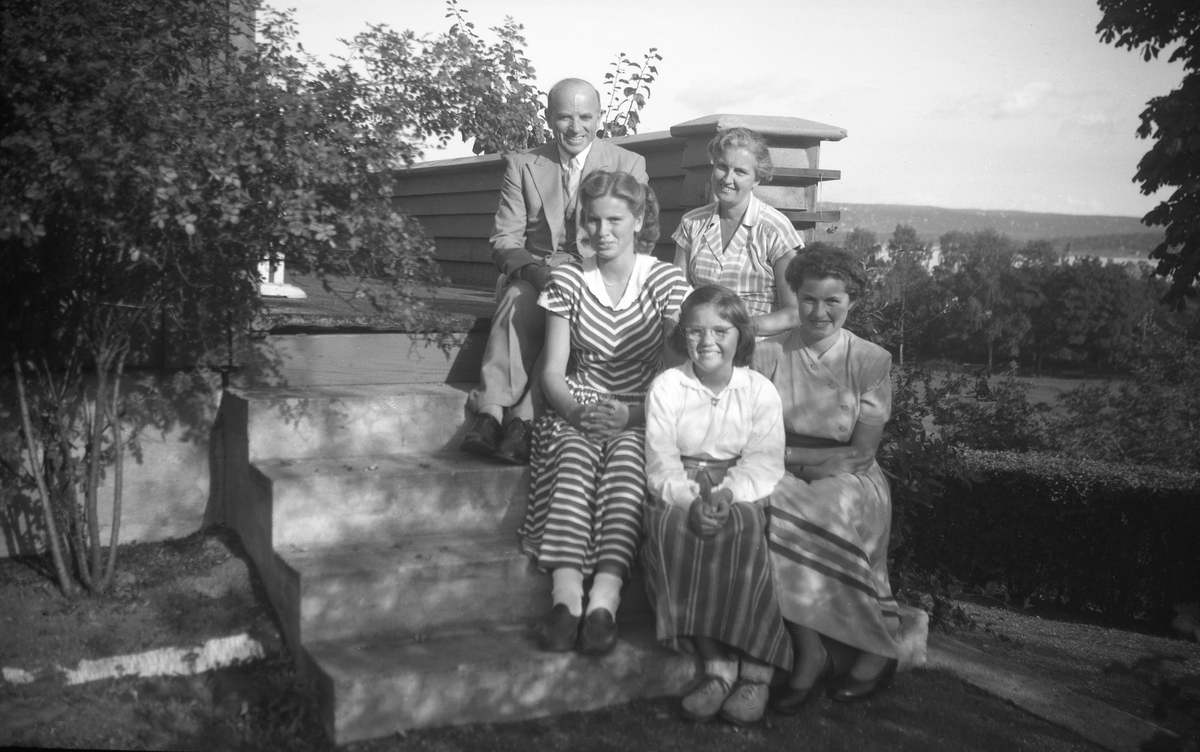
(391, 558)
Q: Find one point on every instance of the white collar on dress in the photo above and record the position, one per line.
(739, 380)
(642, 263)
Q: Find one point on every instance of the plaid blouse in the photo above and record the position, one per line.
(747, 265)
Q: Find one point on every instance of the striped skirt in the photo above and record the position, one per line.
(829, 548)
(586, 497)
(720, 588)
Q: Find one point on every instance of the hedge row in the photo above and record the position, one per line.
(1122, 539)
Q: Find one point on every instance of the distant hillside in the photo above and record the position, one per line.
(1090, 234)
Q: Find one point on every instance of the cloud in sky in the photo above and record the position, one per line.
(1025, 99)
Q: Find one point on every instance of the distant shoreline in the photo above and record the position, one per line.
(1073, 234)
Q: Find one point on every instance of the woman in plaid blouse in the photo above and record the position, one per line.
(738, 241)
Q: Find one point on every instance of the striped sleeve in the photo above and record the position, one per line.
(669, 287)
(561, 294)
(689, 224)
(781, 237)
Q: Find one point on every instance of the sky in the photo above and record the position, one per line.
(965, 104)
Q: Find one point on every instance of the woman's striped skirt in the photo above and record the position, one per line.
(720, 588)
(829, 547)
(586, 497)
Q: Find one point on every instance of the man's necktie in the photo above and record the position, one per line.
(570, 196)
(570, 186)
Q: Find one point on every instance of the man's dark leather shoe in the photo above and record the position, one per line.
(558, 630)
(514, 447)
(483, 436)
(599, 632)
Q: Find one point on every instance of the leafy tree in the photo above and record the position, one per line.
(1036, 264)
(1093, 312)
(907, 273)
(497, 103)
(1174, 159)
(987, 301)
(863, 244)
(149, 165)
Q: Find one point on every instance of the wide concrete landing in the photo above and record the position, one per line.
(484, 678)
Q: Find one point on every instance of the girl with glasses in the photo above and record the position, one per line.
(714, 449)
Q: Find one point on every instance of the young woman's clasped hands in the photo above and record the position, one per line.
(602, 420)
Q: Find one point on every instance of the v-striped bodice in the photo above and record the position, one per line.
(616, 349)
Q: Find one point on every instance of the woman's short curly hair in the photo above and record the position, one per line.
(729, 307)
(824, 261)
(639, 198)
(749, 140)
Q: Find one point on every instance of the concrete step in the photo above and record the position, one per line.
(351, 420)
(427, 585)
(374, 689)
(340, 502)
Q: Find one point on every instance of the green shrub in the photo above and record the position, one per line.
(915, 459)
(975, 413)
(1119, 539)
(1151, 418)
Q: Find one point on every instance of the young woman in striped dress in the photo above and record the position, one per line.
(605, 321)
(714, 450)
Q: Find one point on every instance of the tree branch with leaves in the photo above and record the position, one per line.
(1170, 120)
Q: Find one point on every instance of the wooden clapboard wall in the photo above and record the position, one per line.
(456, 199)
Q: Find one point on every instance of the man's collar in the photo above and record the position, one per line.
(564, 158)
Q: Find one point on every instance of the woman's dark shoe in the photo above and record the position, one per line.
(599, 632)
(558, 630)
(849, 689)
(790, 700)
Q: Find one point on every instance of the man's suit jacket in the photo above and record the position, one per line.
(529, 224)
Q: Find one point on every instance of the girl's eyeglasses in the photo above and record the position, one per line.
(696, 333)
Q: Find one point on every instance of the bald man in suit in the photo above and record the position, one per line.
(535, 230)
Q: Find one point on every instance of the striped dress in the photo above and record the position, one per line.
(586, 497)
(829, 538)
(747, 264)
(721, 587)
